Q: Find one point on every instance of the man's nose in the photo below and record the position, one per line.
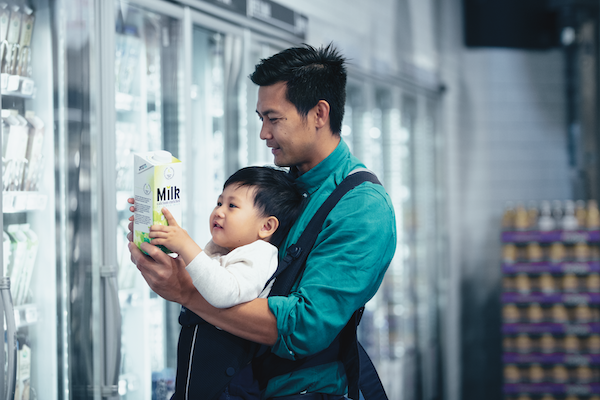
(265, 134)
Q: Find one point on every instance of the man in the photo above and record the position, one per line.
(301, 100)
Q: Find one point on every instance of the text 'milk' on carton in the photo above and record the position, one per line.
(157, 184)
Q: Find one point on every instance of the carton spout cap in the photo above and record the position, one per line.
(162, 156)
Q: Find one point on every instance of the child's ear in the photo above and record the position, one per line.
(269, 226)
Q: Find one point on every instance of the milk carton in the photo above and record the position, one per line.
(157, 184)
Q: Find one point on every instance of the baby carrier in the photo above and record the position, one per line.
(209, 358)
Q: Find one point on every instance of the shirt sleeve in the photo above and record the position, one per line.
(234, 278)
(343, 271)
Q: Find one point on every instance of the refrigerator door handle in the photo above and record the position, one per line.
(11, 337)
(112, 331)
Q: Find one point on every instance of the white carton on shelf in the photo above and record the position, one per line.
(157, 183)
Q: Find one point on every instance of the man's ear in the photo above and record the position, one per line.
(322, 113)
(269, 226)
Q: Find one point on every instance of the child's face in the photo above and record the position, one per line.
(236, 221)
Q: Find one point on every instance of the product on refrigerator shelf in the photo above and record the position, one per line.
(523, 343)
(521, 221)
(509, 253)
(581, 252)
(546, 222)
(581, 214)
(19, 247)
(523, 283)
(557, 252)
(536, 373)
(557, 213)
(560, 373)
(593, 344)
(570, 283)
(534, 252)
(593, 216)
(512, 374)
(592, 282)
(569, 221)
(157, 184)
(571, 343)
(12, 37)
(24, 283)
(22, 387)
(510, 313)
(4, 22)
(24, 61)
(508, 218)
(532, 216)
(583, 313)
(15, 149)
(547, 343)
(508, 284)
(34, 153)
(559, 313)
(583, 374)
(535, 313)
(546, 283)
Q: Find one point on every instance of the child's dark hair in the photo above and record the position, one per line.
(276, 194)
(311, 75)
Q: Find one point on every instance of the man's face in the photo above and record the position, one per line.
(293, 140)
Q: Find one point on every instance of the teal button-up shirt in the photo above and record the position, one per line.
(343, 271)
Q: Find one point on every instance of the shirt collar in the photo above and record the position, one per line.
(312, 179)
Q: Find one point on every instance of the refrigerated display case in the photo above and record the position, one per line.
(28, 202)
(148, 117)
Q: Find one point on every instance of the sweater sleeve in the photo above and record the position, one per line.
(234, 278)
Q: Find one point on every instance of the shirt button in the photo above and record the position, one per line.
(230, 371)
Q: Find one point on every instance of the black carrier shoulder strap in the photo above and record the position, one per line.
(360, 371)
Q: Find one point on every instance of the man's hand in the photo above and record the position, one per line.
(165, 275)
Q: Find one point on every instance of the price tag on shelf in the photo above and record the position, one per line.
(13, 83)
(4, 80)
(27, 87)
(20, 203)
(8, 201)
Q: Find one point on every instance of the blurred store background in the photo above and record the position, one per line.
(471, 113)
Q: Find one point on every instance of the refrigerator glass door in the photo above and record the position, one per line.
(30, 241)
(148, 118)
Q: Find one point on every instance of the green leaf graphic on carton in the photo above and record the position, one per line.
(141, 237)
(158, 217)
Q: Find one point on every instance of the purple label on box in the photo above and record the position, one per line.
(550, 236)
(550, 327)
(553, 358)
(540, 267)
(549, 298)
(548, 387)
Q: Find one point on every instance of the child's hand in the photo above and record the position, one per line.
(174, 238)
